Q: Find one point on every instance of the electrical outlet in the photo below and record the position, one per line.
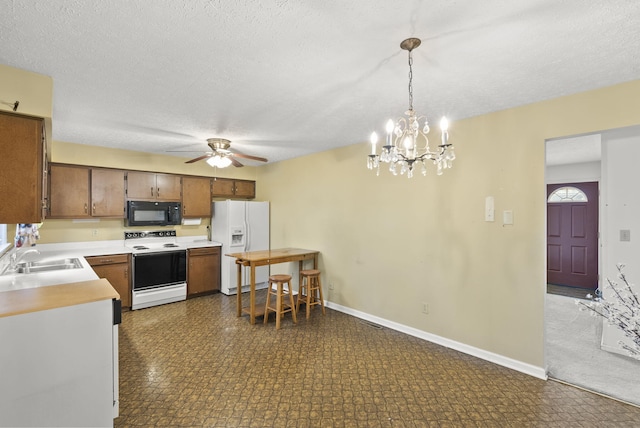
(425, 308)
(330, 285)
(94, 232)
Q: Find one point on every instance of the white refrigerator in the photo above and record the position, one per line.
(240, 226)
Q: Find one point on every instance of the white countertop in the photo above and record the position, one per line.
(21, 281)
(71, 250)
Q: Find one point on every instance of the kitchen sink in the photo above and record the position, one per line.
(45, 266)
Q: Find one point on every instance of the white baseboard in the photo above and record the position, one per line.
(538, 372)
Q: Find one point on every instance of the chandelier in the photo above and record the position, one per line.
(406, 145)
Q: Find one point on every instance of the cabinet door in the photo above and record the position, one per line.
(204, 270)
(107, 193)
(222, 187)
(115, 269)
(21, 168)
(168, 187)
(69, 194)
(141, 185)
(196, 197)
(245, 189)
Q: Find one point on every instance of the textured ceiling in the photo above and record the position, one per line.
(284, 78)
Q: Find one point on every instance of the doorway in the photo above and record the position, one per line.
(573, 338)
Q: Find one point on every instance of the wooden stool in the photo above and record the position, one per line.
(276, 287)
(310, 290)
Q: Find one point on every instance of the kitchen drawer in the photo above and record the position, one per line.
(203, 251)
(107, 260)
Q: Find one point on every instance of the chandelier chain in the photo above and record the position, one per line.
(410, 81)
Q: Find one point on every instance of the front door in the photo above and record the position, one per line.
(572, 234)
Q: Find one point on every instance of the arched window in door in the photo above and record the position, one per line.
(567, 194)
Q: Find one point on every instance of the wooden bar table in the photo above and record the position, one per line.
(262, 258)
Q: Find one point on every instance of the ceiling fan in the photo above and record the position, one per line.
(220, 156)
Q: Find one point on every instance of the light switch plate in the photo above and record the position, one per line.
(489, 211)
(507, 217)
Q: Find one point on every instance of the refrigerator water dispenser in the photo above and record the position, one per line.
(237, 237)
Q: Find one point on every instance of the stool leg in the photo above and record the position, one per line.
(266, 306)
(300, 293)
(309, 290)
(293, 309)
(320, 292)
(279, 306)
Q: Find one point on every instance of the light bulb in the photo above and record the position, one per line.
(374, 141)
(444, 124)
(219, 161)
(389, 126)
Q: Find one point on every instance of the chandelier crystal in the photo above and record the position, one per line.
(407, 146)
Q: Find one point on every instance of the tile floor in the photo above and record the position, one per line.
(194, 363)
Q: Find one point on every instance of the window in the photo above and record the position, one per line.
(4, 245)
(567, 194)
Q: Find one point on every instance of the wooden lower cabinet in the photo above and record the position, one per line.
(115, 268)
(203, 273)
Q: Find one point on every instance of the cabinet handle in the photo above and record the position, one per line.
(94, 208)
(126, 272)
(158, 192)
(152, 191)
(85, 208)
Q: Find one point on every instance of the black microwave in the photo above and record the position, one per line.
(147, 213)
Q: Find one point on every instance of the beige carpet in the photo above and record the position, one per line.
(573, 354)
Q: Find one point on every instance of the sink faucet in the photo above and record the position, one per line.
(14, 258)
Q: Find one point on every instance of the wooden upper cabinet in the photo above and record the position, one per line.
(196, 197)
(231, 188)
(245, 189)
(168, 187)
(22, 167)
(149, 186)
(80, 191)
(107, 193)
(69, 191)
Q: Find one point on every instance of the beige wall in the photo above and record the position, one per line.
(34, 91)
(102, 229)
(390, 244)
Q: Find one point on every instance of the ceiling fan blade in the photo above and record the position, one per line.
(256, 158)
(208, 155)
(235, 162)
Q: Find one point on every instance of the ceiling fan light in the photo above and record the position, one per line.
(219, 161)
